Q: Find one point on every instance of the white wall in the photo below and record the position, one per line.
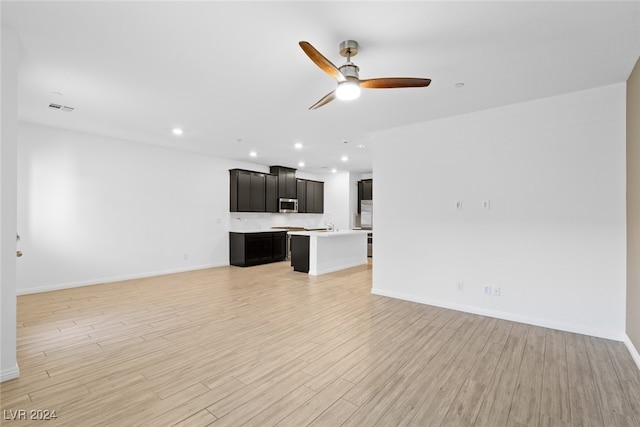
(8, 213)
(93, 209)
(554, 237)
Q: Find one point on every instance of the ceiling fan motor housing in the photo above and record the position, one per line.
(350, 71)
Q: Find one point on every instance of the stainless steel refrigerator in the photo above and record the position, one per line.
(366, 222)
(366, 214)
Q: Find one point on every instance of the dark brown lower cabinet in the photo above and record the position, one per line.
(300, 253)
(247, 249)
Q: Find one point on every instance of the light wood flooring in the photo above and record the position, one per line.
(266, 346)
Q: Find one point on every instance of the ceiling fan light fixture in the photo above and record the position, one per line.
(348, 90)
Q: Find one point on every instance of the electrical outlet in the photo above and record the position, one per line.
(486, 290)
(486, 205)
(186, 256)
(495, 291)
(460, 286)
(459, 205)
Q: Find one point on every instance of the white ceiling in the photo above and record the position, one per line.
(232, 75)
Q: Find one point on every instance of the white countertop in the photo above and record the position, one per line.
(327, 233)
(258, 230)
(319, 233)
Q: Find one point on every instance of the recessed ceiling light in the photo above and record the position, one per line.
(344, 158)
(253, 154)
(298, 145)
(301, 164)
(177, 131)
(459, 85)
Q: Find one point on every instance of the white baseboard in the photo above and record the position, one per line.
(632, 349)
(9, 374)
(59, 286)
(514, 317)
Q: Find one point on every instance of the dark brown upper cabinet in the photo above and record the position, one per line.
(301, 184)
(271, 193)
(287, 188)
(251, 191)
(310, 196)
(365, 191)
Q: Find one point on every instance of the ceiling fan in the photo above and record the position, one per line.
(349, 83)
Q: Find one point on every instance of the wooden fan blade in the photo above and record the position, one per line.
(325, 100)
(322, 62)
(393, 82)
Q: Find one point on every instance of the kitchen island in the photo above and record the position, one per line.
(321, 252)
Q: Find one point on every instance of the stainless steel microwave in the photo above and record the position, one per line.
(288, 205)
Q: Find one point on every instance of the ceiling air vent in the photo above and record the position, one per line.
(61, 107)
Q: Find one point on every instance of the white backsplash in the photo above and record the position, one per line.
(243, 221)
